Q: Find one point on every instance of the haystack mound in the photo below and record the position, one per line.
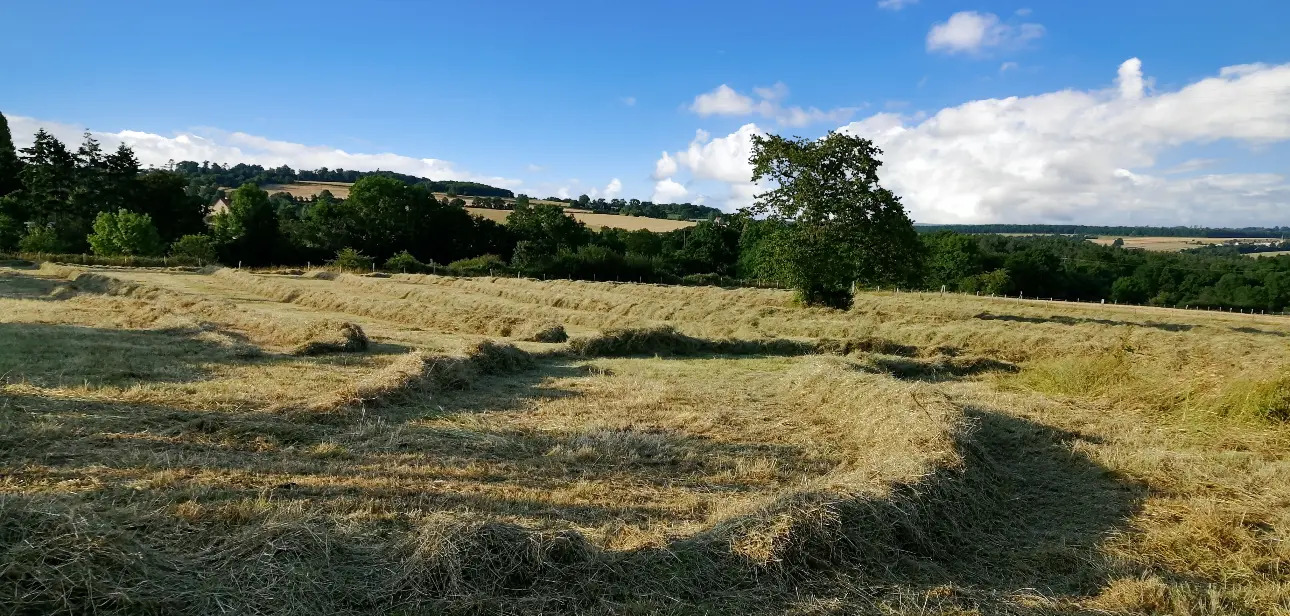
(325, 337)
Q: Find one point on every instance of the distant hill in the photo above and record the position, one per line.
(241, 173)
(1117, 231)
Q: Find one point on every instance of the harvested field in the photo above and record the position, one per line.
(596, 221)
(1174, 244)
(225, 441)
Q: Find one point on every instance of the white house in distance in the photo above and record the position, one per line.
(221, 205)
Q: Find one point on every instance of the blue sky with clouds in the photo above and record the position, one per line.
(1094, 111)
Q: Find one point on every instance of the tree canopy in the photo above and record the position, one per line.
(841, 226)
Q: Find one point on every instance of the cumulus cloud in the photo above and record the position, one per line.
(973, 32)
(724, 160)
(668, 190)
(614, 188)
(1090, 156)
(665, 167)
(1065, 156)
(722, 101)
(238, 147)
(895, 5)
(1130, 79)
(725, 100)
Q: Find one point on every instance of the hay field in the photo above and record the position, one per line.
(596, 221)
(1172, 244)
(226, 441)
(306, 190)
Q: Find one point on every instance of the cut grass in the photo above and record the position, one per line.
(689, 450)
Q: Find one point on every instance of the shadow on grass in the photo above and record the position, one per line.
(1065, 320)
(1262, 332)
(14, 285)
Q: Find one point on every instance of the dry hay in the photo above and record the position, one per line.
(949, 455)
(551, 333)
(418, 372)
(332, 337)
(154, 306)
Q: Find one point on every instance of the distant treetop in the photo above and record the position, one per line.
(242, 173)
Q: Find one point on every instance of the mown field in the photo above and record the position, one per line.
(224, 441)
(597, 221)
(340, 190)
(1174, 244)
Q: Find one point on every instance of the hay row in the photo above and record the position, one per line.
(244, 557)
(153, 306)
(418, 372)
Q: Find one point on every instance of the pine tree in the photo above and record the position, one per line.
(10, 165)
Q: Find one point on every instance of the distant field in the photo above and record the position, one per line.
(308, 189)
(1277, 253)
(596, 221)
(1172, 244)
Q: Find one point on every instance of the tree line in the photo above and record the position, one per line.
(215, 174)
(826, 228)
(1117, 231)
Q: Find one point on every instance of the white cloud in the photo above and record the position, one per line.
(630, 101)
(725, 100)
(237, 147)
(1008, 66)
(722, 101)
(1130, 79)
(1065, 156)
(1090, 156)
(895, 5)
(665, 167)
(532, 168)
(667, 190)
(973, 32)
(724, 159)
(613, 189)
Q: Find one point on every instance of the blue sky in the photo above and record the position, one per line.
(551, 97)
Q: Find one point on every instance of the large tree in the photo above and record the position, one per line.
(48, 181)
(842, 226)
(248, 230)
(10, 165)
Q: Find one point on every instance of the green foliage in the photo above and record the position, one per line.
(404, 262)
(199, 247)
(995, 282)
(353, 260)
(845, 227)
(124, 233)
(11, 230)
(478, 266)
(42, 239)
(1128, 290)
(10, 165)
(547, 229)
(248, 230)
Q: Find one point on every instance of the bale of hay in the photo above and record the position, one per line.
(549, 333)
(332, 337)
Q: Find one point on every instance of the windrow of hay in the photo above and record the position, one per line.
(155, 306)
(396, 310)
(418, 372)
(666, 340)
